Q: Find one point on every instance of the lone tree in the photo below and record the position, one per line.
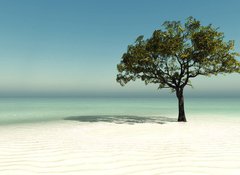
(175, 54)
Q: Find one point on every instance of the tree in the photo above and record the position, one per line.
(175, 54)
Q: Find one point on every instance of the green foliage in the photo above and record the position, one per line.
(176, 53)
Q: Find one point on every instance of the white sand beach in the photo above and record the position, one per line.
(199, 147)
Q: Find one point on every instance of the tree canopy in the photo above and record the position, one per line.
(176, 53)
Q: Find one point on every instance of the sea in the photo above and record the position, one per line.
(32, 109)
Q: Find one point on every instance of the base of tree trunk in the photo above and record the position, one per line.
(182, 119)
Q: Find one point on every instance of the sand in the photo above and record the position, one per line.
(198, 147)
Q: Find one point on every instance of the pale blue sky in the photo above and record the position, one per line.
(71, 47)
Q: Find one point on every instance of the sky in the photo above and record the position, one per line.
(72, 47)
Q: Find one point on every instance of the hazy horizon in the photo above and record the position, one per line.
(71, 48)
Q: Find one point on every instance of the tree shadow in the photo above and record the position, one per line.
(121, 119)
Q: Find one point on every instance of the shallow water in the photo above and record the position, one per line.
(22, 110)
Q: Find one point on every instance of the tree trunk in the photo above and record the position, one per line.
(181, 113)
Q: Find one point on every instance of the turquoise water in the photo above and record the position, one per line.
(15, 110)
